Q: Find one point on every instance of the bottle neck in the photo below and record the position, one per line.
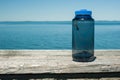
(85, 17)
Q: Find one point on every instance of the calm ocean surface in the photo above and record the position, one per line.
(54, 35)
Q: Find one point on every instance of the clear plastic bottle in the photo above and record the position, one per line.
(83, 36)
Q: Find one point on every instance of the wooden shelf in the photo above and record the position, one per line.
(56, 61)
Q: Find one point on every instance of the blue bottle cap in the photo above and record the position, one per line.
(83, 12)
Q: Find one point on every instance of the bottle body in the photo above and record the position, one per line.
(83, 38)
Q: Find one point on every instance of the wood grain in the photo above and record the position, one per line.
(56, 61)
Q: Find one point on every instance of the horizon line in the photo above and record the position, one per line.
(51, 21)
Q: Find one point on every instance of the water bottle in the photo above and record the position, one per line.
(83, 36)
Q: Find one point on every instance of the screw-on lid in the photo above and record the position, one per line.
(83, 12)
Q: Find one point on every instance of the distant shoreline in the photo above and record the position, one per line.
(58, 22)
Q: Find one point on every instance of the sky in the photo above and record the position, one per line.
(57, 10)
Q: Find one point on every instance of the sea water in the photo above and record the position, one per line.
(54, 35)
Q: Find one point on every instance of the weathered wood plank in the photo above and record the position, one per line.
(56, 61)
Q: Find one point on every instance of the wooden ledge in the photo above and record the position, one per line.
(56, 61)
